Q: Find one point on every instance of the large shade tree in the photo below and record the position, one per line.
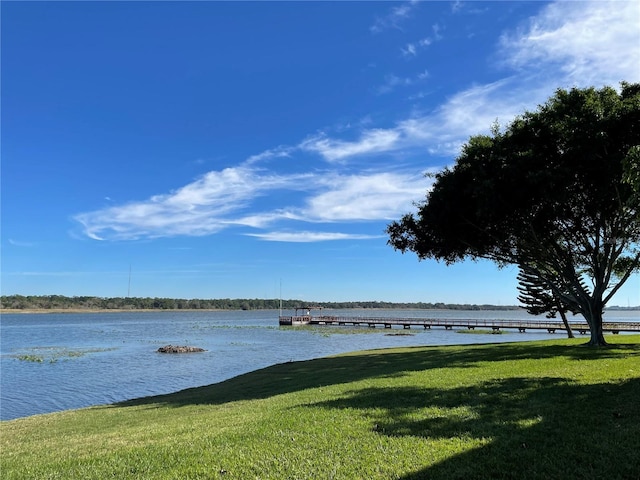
(554, 192)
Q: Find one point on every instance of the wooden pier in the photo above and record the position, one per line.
(449, 324)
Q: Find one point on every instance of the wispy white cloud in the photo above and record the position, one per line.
(467, 113)
(262, 219)
(437, 29)
(409, 50)
(282, 151)
(425, 42)
(394, 18)
(350, 198)
(412, 49)
(333, 197)
(391, 82)
(470, 8)
(308, 236)
(587, 42)
(217, 201)
(371, 142)
(200, 208)
(20, 243)
(441, 131)
(374, 196)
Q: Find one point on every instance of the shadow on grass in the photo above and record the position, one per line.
(534, 428)
(529, 428)
(297, 376)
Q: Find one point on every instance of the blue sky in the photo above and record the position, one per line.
(243, 149)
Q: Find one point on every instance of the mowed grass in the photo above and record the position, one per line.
(539, 410)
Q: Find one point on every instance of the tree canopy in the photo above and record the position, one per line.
(555, 192)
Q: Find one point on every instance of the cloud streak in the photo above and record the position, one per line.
(412, 49)
(219, 200)
(308, 237)
(395, 17)
(380, 196)
(200, 208)
(19, 243)
(371, 142)
(592, 43)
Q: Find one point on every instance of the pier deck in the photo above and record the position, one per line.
(496, 325)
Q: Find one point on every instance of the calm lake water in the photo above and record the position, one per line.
(51, 362)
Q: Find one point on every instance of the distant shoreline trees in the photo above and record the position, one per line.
(61, 302)
(91, 303)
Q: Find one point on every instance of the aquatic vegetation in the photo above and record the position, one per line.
(328, 330)
(481, 332)
(31, 358)
(53, 354)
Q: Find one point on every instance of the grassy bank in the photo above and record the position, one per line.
(537, 410)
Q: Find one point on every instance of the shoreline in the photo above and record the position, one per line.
(32, 311)
(234, 378)
(106, 310)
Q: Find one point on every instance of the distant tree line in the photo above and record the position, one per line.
(51, 302)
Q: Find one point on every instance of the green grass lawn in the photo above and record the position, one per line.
(543, 410)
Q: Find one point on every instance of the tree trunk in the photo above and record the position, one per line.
(566, 324)
(595, 325)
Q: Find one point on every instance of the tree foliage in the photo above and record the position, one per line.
(555, 193)
(61, 302)
(537, 299)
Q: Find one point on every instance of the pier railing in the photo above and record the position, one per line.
(450, 323)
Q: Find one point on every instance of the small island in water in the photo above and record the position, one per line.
(180, 349)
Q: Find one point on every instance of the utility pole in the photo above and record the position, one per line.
(129, 287)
